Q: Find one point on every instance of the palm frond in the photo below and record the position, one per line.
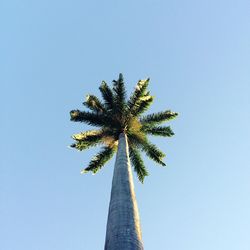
(87, 139)
(153, 152)
(90, 118)
(140, 91)
(107, 95)
(100, 159)
(157, 118)
(120, 94)
(138, 164)
(142, 105)
(159, 130)
(94, 104)
(87, 135)
(82, 145)
(139, 140)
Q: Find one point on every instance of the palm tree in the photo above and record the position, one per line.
(122, 128)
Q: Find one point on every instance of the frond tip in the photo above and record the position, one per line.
(83, 171)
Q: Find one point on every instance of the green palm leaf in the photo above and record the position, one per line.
(107, 95)
(153, 152)
(100, 159)
(139, 140)
(87, 139)
(94, 104)
(90, 118)
(138, 164)
(120, 94)
(142, 105)
(158, 118)
(158, 131)
(140, 91)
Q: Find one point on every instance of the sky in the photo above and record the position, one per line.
(197, 55)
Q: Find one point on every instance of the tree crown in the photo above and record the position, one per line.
(116, 114)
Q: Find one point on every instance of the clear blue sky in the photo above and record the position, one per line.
(197, 54)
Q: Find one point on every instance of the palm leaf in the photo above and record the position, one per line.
(100, 159)
(87, 135)
(107, 95)
(138, 164)
(140, 90)
(142, 105)
(139, 140)
(87, 139)
(82, 145)
(153, 152)
(160, 131)
(120, 94)
(158, 118)
(91, 138)
(90, 118)
(94, 104)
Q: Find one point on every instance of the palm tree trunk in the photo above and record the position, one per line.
(123, 227)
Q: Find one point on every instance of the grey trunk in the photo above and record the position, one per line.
(123, 227)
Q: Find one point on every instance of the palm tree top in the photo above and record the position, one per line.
(115, 115)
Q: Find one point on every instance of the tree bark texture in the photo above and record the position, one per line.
(123, 227)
